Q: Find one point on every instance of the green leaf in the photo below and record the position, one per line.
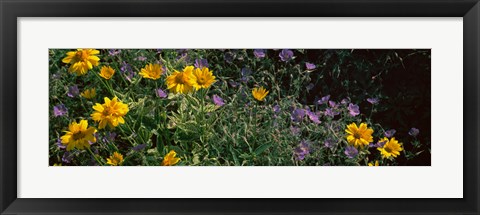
(261, 149)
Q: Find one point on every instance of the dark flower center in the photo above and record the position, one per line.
(78, 135)
(388, 149)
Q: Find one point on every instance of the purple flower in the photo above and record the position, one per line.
(351, 152)
(414, 132)
(161, 93)
(159, 51)
(331, 112)
(302, 150)
(329, 143)
(73, 91)
(228, 57)
(60, 145)
(200, 63)
(297, 115)
(113, 52)
(313, 117)
(141, 58)
(60, 110)
(354, 110)
(259, 53)
(67, 157)
(324, 100)
(182, 53)
(310, 86)
(373, 101)
(109, 137)
(125, 67)
(139, 147)
(233, 83)
(276, 108)
(286, 55)
(295, 130)
(345, 101)
(218, 101)
(127, 70)
(332, 104)
(380, 144)
(390, 133)
(310, 66)
(245, 73)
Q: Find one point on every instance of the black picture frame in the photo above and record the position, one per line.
(10, 10)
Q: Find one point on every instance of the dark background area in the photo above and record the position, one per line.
(401, 78)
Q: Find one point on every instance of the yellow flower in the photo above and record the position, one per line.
(106, 72)
(202, 78)
(359, 136)
(391, 148)
(259, 93)
(371, 164)
(78, 135)
(89, 93)
(179, 82)
(57, 164)
(81, 60)
(170, 159)
(111, 112)
(152, 71)
(115, 160)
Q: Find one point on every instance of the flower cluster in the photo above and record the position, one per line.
(202, 107)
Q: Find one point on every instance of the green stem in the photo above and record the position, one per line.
(95, 157)
(110, 90)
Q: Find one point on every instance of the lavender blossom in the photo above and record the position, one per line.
(390, 133)
(373, 101)
(60, 110)
(113, 52)
(217, 100)
(324, 100)
(245, 72)
(310, 86)
(259, 53)
(329, 143)
(127, 70)
(313, 117)
(141, 58)
(60, 145)
(380, 144)
(276, 108)
(109, 137)
(310, 66)
(73, 91)
(351, 152)
(67, 157)
(200, 63)
(331, 112)
(139, 147)
(302, 150)
(332, 104)
(295, 130)
(345, 101)
(161, 93)
(233, 83)
(353, 109)
(413, 132)
(182, 53)
(297, 115)
(228, 57)
(286, 55)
